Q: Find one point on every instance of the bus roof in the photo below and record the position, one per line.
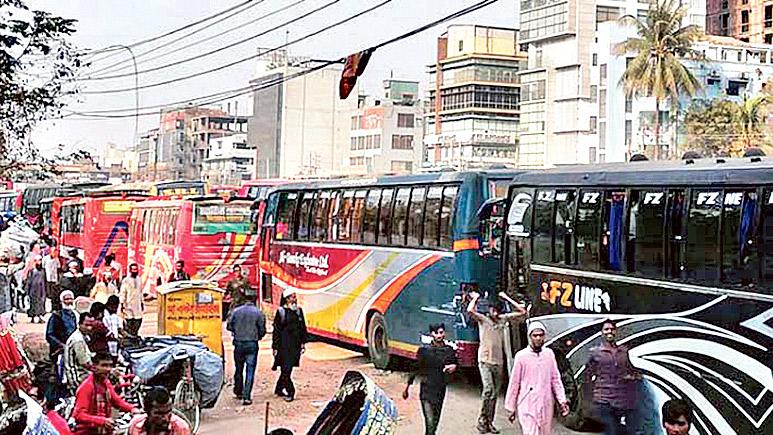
(430, 177)
(714, 171)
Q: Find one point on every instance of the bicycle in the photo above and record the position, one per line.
(186, 399)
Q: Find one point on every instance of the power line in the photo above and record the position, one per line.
(248, 89)
(189, 34)
(237, 62)
(171, 32)
(218, 50)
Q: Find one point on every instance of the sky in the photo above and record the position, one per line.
(102, 23)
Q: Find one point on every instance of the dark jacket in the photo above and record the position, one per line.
(612, 376)
(175, 276)
(247, 323)
(289, 336)
(60, 326)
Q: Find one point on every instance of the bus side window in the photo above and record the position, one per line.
(399, 216)
(447, 216)
(332, 213)
(416, 216)
(766, 242)
(319, 222)
(645, 236)
(740, 263)
(611, 249)
(588, 228)
(543, 226)
(370, 218)
(358, 209)
(304, 215)
(344, 216)
(432, 217)
(385, 216)
(702, 256)
(285, 216)
(563, 246)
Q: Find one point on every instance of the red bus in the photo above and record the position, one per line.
(209, 233)
(258, 189)
(96, 226)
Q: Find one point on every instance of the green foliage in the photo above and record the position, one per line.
(36, 63)
(656, 69)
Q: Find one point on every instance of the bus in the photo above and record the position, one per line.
(179, 188)
(258, 189)
(7, 201)
(34, 194)
(96, 226)
(375, 261)
(210, 234)
(679, 254)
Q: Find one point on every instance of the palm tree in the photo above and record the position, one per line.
(751, 118)
(657, 69)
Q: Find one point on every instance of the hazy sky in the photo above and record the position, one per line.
(105, 22)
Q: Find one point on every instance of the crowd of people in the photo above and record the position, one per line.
(535, 385)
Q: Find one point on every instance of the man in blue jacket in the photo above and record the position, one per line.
(248, 326)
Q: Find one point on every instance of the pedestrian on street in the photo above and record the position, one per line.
(237, 288)
(288, 342)
(158, 418)
(74, 280)
(491, 355)
(132, 303)
(104, 288)
(35, 287)
(677, 417)
(6, 301)
(77, 356)
(613, 380)
(52, 268)
(179, 273)
(113, 324)
(61, 324)
(248, 326)
(534, 383)
(73, 253)
(96, 398)
(435, 362)
(115, 268)
(98, 333)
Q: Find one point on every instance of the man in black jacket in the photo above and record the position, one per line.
(179, 273)
(289, 342)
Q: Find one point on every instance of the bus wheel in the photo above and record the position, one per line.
(579, 417)
(378, 342)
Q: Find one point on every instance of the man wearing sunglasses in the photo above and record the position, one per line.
(677, 417)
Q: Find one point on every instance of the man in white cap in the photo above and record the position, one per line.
(288, 342)
(61, 324)
(534, 383)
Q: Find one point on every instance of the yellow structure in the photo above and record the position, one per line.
(192, 308)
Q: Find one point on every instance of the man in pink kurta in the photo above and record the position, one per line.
(534, 382)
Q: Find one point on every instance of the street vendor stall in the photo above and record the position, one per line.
(192, 308)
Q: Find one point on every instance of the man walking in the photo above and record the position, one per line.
(113, 324)
(96, 398)
(35, 287)
(77, 356)
(534, 383)
(248, 326)
(436, 361)
(491, 355)
(237, 288)
(613, 381)
(104, 288)
(61, 324)
(132, 303)
(288, 343)
(51, 267)
(158, 418)
(179, 273)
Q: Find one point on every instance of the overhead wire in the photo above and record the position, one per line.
(245, 59)
(220, 49)
(218, 97)
(111, 67)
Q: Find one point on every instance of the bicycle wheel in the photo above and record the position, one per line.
(188, 403)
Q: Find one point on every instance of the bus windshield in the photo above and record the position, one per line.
(221, 218)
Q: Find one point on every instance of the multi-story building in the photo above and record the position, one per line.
(120, 163)
(211, 126)
(386, 132)
(624, 126)
(747, 20)
(147, 155)
(299, 125)
(230, 160)
(474, 94)
(558, 101)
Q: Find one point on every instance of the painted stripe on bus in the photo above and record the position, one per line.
(651, 282)
(366, 247)
(465, 244)
(305, 288)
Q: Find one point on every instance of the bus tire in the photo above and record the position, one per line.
(579, 417)
(378, 341)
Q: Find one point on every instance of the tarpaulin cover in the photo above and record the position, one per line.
(208, 369)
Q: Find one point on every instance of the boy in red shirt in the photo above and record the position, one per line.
(96, 398)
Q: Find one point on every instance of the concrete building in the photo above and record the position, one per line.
(747, 20)
(120, 163)
(473, 98)
(147, 155)
(299, 125)
(231, 160)
(386, 133)
(624, 126)
(558, 101)
(210, 126)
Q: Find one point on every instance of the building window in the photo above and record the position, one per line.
(461, 45)
(355, 124)
(592, 155)
(593, 124)
(595, 58)
(768, 16)
(606, 13)
(594, 94)
(402, 142)
(734, 88)
(603, 103)
(405, 120)
(401, 166)
(603, 73)
(628, 104)
(628, 133)
(744, 21)
(602, 135)
(724, 23)
(769, 38)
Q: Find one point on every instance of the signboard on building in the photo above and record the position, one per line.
(372, 118)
